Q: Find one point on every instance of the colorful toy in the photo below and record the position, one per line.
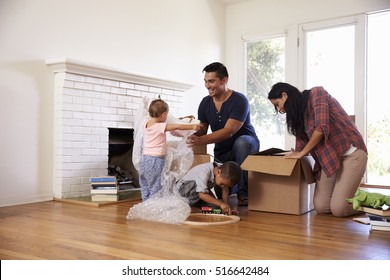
(210, 210)
(368, 199)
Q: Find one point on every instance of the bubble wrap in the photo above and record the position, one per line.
(169, 209)
(167, 206)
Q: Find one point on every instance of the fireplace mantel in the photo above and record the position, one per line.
(95, 70)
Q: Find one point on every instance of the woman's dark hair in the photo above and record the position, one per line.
(294, 107)
(219, 68)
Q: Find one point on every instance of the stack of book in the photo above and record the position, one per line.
(379, 219)
(107, 188)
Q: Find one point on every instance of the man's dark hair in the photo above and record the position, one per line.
(218, 68)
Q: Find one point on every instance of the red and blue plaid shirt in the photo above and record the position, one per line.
(325, 115)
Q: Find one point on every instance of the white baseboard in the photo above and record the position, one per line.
(25, 200)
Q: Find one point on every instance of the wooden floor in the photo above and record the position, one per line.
(63, 231)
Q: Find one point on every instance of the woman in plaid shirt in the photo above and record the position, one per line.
(325, 131)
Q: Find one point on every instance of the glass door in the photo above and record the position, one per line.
(378, 99)
(329, 60)
(265, 66)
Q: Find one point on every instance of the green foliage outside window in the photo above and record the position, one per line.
(265, 67)
(378, 148)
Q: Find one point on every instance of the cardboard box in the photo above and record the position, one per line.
(198, 159)
(280, 185)
(200, 150)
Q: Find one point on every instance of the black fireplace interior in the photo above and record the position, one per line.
(120, 150)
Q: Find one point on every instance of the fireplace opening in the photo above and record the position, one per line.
(120, 151)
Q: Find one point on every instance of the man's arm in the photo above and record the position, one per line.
(202, 130)
(230, 128)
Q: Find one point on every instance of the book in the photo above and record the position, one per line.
(382, 228)
(376, 221)
(379, 218)
(103, 186)
(362, 220)
(375, 211)
(109, 191)
(106, 189)
(373, 217)
(102, 179)
(111, 197)
(379, 223)
(104, 183)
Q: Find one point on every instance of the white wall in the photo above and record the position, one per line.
(172, 39)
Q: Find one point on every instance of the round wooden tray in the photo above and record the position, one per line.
(201, 219)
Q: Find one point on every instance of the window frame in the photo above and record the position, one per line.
(360, 75)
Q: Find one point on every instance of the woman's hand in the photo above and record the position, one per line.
(294, 154)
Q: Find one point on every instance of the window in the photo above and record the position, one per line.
(347, 56)
(335, 56)
(330, 62)
(265, 65)
(332, 56)
(378, 99)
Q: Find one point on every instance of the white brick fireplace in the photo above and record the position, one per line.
(89, 99)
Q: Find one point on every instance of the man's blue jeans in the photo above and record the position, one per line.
(243, 146)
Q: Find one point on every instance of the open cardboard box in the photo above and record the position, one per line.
(280, 185)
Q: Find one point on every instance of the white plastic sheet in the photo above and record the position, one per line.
(166, 206)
